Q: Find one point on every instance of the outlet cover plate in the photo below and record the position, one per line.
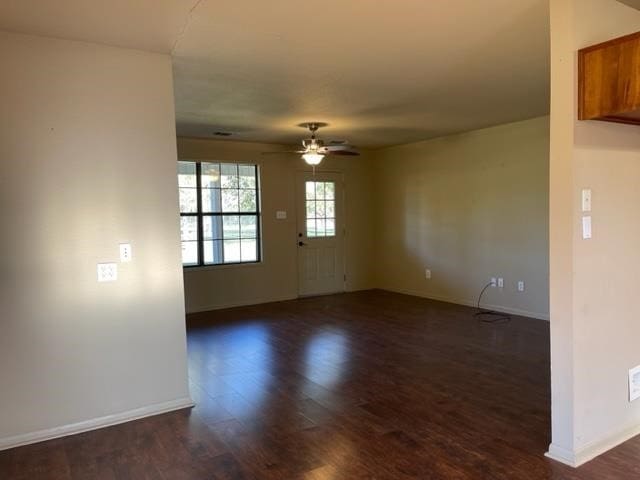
(107, 272)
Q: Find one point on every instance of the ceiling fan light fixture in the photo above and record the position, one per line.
(313, 158)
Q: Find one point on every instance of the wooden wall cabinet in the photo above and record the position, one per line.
(609, 81)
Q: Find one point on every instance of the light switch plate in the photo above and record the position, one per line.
(500, 282)
(521, 286)
(634, 383)
(586, 227)
(125, 252)
(281, 215)
(427, 274)
(586, 200)
(107, 272)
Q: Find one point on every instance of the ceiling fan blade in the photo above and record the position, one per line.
(300, 152)
(345, 146)
(350, 153)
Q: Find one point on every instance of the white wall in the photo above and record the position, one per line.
(468, 207)
(594, 283)
(276, 277)
(87, 160)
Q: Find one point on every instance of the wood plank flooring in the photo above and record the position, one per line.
(368, 385)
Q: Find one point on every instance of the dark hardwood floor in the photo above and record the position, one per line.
(368, 385)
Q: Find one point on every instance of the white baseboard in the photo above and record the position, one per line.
(260, 301)
(94, 424)
(471, 303)
(561, 455)
(592, 449)
(243, 303)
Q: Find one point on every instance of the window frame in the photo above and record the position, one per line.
(199, 215)
(315, 201)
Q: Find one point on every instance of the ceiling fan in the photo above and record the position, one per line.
(314, 150)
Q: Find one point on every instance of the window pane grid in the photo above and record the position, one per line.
(226, 227)
(321, 207)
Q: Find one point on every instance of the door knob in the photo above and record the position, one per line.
(301, 244)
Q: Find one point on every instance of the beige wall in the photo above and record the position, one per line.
(275, 278)
(468, 207)
(87, 160)
(594, 283)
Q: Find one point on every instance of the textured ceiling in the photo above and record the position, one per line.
(380, 73)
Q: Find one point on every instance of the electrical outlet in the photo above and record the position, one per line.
(125, 252)
(107, 272)
(500, 282)
(427, 274)
(634, 383)
(494, 282)
(586, 227)
(521, 286)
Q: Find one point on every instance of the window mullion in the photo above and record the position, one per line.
(200, 221)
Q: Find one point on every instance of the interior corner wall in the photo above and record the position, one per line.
(468, 207)
(275, 278)
(594, 308)
(87, 160)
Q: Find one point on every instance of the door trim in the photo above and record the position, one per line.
(343, 229)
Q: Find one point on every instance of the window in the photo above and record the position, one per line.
(321, 209)
(219, 213)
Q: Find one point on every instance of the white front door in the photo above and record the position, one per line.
(320, 233)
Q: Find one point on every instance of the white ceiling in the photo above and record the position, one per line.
(380, 73)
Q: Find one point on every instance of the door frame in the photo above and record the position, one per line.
(342, 227)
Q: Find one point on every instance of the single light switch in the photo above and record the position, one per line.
(281, 215)
(586, 227)
(586, 200)
(125, 252)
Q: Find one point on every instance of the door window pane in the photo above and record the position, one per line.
(311, 190)
(329, 190)
(320, 209)
(330, 229)
(311, 227)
